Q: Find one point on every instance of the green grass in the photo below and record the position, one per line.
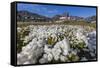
(82, 23)
(20, 38)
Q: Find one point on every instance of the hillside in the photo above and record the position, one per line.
(26, 16)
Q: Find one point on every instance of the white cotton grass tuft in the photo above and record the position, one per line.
(38, 50)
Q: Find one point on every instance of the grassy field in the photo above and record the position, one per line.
(82, 23)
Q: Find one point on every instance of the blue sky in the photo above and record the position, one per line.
(51, 10)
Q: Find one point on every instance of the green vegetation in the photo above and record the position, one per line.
(51, 40)
(79, 45)
(72, 57)
(82, 23)
(20, 38)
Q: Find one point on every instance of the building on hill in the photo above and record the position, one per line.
(64, 16)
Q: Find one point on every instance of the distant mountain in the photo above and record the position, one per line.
(26, 16)
(91, 18)
(56, 17)
(29, 16)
